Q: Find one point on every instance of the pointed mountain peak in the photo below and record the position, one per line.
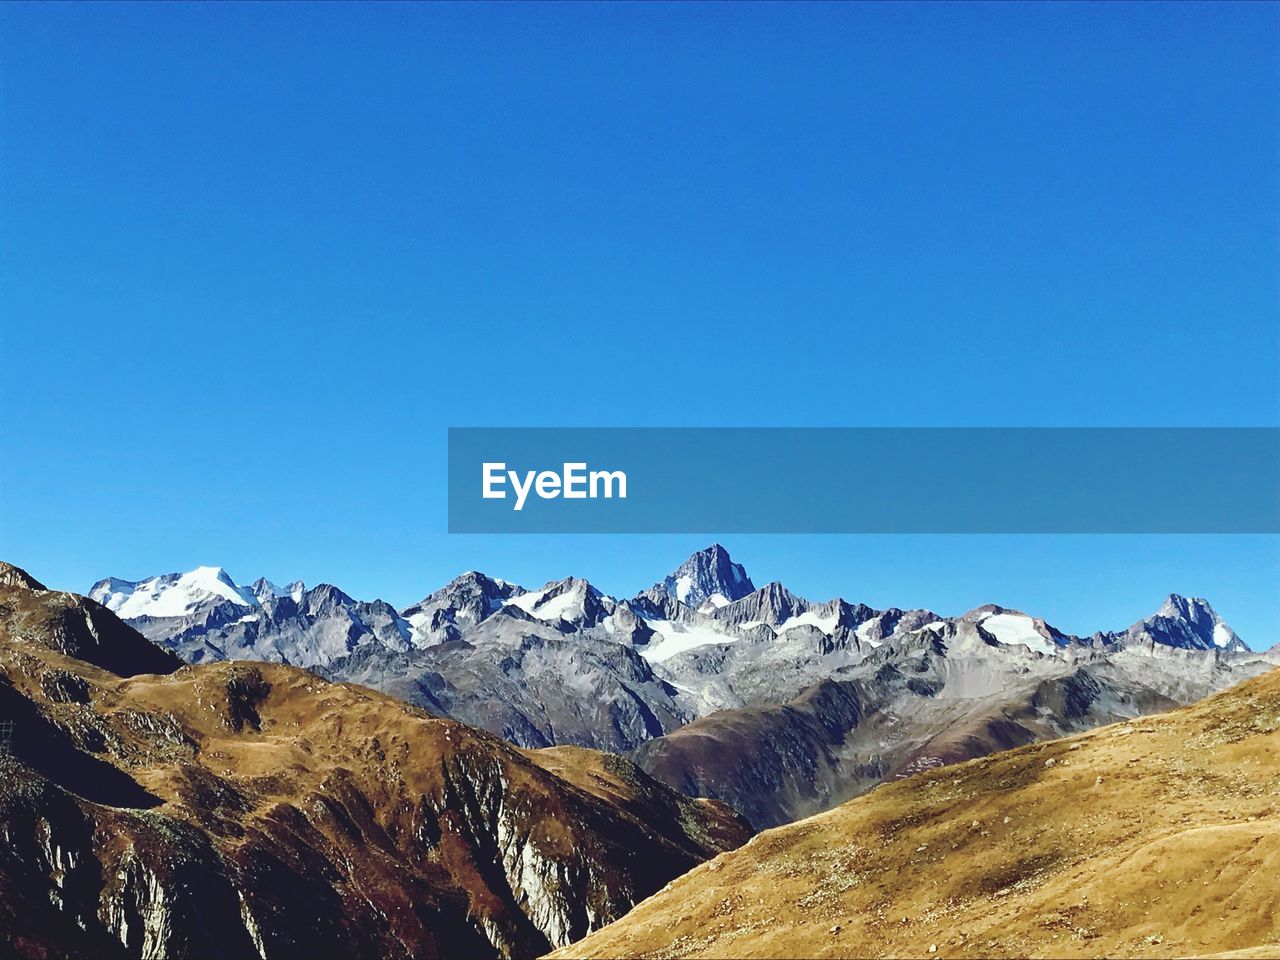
(466, 599)
(467, 587)
(1178, 607)
(1188, 623)
(326, 595)
(775, 588)
(709, 577)
(572, 600)
(772, 604)
(264, 590)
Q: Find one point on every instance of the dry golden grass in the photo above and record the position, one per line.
(1156, 838)
(262, 784)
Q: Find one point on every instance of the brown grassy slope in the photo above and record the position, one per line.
(229, 808)
(1159, 837)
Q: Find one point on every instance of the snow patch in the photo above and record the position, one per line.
(1017, 628)
(677, 638)
(568, 605)
(863, 632)
(1221, 634)
(810, 618)
(177, 595)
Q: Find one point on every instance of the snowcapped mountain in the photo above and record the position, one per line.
(171, 595)
(707, 580)
(704, 617)
(205, 615)
(462, 603)
(1013, 627)
(570, 601)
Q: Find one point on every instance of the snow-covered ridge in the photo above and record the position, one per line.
(171, 595)
(570, 600)
(708, 601)
(1017, 629)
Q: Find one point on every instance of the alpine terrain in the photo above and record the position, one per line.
(1153, 838)
(779, 705)
(237, 809)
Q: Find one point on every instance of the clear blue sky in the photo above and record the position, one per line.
(258, 258)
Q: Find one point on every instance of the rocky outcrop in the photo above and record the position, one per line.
(75, 626)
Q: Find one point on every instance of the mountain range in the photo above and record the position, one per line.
(778, 705)
(152, 807)
(235, 809)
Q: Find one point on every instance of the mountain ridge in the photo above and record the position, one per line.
(710, 565)
(229, 809)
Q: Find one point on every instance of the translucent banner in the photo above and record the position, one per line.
(864, 480)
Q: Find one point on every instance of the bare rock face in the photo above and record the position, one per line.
(532, 683)
(246, 809)
(707, 580)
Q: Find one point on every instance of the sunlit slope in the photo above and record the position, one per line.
(1159, 837)
(230, 809)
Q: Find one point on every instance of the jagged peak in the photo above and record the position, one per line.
(707, 577)
(776, 588)
(265, 590)
(326, 592)
(473, 582)
(1177, 606)
(1188, 622)
(479, 576)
